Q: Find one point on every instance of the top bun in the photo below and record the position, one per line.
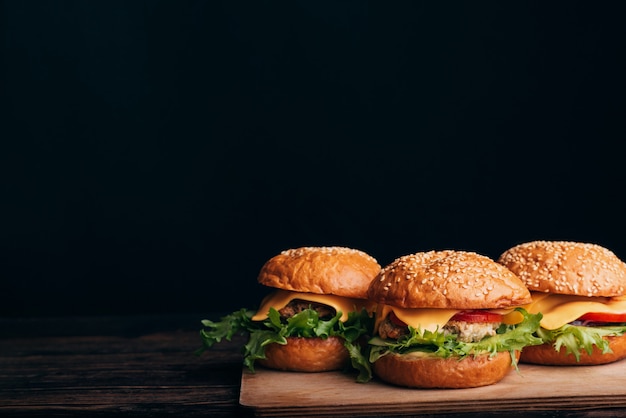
(323, 270)
(448, 279)
(567, 268)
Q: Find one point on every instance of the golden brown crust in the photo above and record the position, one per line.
(569, 268)
(450, 373)
(447, 279)
(545, 354)
(307, 355)
(324, 270)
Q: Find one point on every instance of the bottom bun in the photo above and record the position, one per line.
(450, 373)
(302, 354)
(546, 354)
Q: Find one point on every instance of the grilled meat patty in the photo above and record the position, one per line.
(298, 305)
(467, 332)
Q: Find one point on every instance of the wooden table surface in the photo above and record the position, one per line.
(126, 366)
(134, 366)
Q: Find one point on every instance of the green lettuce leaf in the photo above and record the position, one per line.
(236, 323)
(254, 349)
(509, 338)
(304, 324)
(359, 361)
(576, 338)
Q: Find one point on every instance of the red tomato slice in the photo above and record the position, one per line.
(603, 317)
(395, 320)
(477, 316)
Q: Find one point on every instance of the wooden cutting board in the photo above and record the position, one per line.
(533, 388)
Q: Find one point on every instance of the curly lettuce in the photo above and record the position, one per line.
(276, 330)
(509, 338)
(576, 338)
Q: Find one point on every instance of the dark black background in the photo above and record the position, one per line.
(155, 153)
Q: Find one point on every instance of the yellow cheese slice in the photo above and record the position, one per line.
(559, 310)
(280, 298)
(432, 318)
(424, 318)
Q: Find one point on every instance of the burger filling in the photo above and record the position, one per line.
(298, 318)
(469, 333)
(582, 335)
(595, 319)
(298, 305)
(392, 330)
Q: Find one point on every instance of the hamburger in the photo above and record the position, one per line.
(316, 318)
(447, 319)
(579, 289)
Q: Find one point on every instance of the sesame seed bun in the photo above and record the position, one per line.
(337, 271)
(567, 268)
(447, 279)
(453, 280)
(449, 373)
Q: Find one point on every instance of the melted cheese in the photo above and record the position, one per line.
(432, 318)
(280, 298)
(424, 318)
(559, 310)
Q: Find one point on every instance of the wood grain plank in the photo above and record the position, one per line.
(534, 388)
(154, 374)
